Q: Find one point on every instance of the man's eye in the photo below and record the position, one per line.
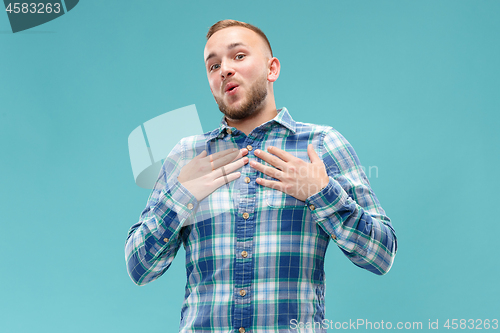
(214, 66)
(240, 56)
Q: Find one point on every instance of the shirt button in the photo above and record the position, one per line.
(244, 254)
(242, 292)
(249, 147)
(190, 206)
(165, 240)
(247, 180)
(241, 330)
(228, 130)
(312, 207)
(245, 215)
(333, 237)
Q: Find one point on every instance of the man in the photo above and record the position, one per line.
(256, 221)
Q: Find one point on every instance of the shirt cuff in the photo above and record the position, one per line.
(327, 201)
(181, 201)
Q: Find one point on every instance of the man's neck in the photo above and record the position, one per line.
(248, 124)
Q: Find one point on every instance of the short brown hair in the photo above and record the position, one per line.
(233, 23)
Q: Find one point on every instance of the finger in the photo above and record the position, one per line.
(271, 159)
(224, 180)
(270, 183)
(224, 174)
(230, 151)
(287, 157)
(270, 171)
(313, 156)
(241, 153)
(229, 158)
(226, 169)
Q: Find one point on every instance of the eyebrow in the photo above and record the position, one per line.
(229, 47)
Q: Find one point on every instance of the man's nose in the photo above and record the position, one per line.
(226, 71)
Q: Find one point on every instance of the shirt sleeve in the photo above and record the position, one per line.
(153, 242)
(348, 210)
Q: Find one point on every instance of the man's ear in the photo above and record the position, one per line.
(274, 69)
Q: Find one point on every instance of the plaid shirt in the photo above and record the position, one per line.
(255, 255)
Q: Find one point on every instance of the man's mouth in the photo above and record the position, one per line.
(231, 88)
(232, 91)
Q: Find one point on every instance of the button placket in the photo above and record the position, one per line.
(244, 242)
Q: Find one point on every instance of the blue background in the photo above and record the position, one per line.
(413, 85)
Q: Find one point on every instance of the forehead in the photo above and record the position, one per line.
(222, 39)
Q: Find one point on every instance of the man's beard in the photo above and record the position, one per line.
(255, 99)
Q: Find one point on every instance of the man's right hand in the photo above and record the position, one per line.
(204, 174)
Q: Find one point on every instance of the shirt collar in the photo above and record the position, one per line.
(283, 118)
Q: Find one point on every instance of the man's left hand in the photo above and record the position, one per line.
(298, 178)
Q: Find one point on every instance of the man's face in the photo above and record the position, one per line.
(236, 60)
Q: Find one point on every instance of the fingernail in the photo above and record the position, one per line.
(257, 151)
